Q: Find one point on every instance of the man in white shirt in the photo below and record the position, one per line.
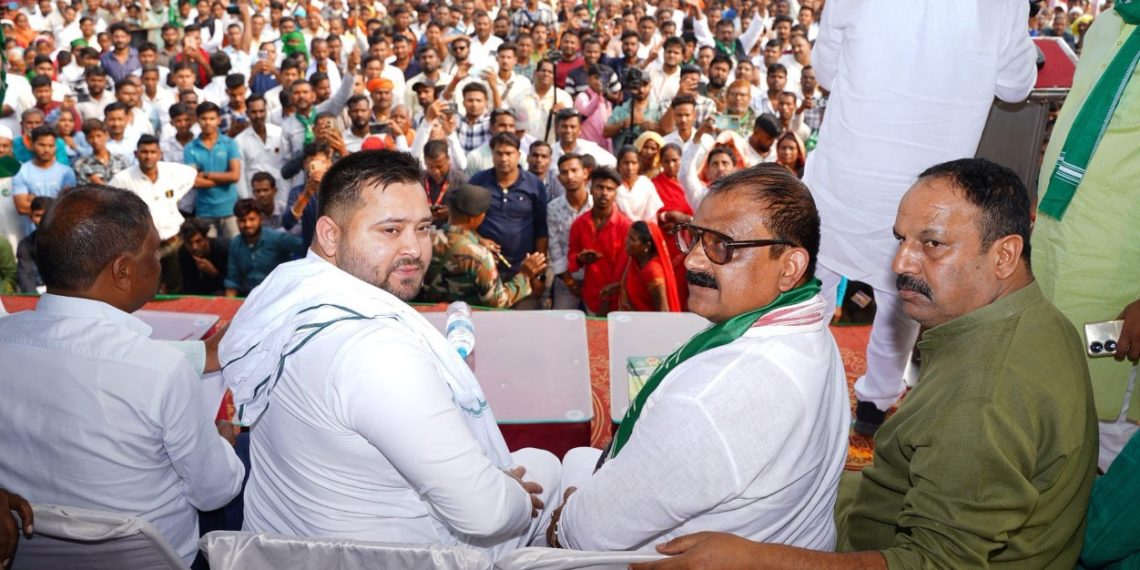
(98, 96)
(373, 427)
(877, 140)
(262, 147)
(484, 44)
(568, 123)
(99, 416)
(692, 452)
(161, 185)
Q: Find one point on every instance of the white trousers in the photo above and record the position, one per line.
(543, 468)
(1114, 435)
(892, 340)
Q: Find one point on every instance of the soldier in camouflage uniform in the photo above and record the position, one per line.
(463, 268)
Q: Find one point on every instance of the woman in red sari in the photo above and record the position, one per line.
(649, 283)
(676, 210)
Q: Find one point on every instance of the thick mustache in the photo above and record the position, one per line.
(907, 283)
(701, 279)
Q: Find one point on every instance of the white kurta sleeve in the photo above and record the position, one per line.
(387, 388)
(673, 468)
(206, 463)
(691, 159)
(828, 46)
(1017, 64)
(753, 34)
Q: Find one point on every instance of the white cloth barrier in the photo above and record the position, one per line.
(71, 538)
(556, 559)
(228, 550)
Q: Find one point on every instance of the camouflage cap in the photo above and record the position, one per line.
(469, 199)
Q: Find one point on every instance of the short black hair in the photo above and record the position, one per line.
(787, 205)
(87, 228)
(40, 81)
(509, 139)
(179, 109)
(568, 157)
(192, 227)
(207, 107)
(997, 191)
(245, 207)
(147, 139)
(435, 149)
(235, 80)
(475, 86)
(342, 184)
(42, 131)
(260, 176)
(605, 173)
(41, 203)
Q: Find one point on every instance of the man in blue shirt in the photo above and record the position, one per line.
(218, 160)
(257, 251)
(123, 59)
(42, 176)
(517, 218)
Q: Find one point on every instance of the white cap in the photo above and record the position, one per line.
(5, 132)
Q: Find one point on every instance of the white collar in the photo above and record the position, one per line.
(77, 307)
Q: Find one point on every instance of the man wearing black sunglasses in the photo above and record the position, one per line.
(745, 426)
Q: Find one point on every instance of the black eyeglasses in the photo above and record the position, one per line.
(718, 247)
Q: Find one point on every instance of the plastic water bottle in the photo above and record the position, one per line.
(460, 329)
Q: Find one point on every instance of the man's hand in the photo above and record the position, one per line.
(1128, 345)
(228, 431)
(533, 265)
(706, 550)
(212, 363)
(708, 127)
(588, 256)
(9, 529)
(353, 61)
(575, 287)
(206, 266)
(490, 244)
(439, 213)
(669, 220)
(531, 487)
(435, 110)
(551, 539)
(610, 290)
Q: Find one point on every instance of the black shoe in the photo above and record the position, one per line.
(868, 418)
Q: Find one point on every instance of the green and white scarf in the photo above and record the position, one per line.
(1093, 119)
(708, 339)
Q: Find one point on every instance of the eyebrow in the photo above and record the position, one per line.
(402, 221)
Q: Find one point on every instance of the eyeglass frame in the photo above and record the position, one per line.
(727, 241)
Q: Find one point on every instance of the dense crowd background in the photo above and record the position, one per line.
(533, 101)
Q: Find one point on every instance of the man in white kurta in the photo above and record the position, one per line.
(368, 423)
(911, 86)
(749, 436)
(97, 415)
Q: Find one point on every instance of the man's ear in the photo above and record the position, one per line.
(327, 237)
(122, 273)
(1006, 252)
(795, 262)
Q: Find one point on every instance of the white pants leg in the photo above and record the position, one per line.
(1114, 435)
(577, 467)
(892, 339)
(543, 468)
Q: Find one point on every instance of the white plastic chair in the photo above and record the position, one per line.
(69, 538)
(228, 550)
(556, 559)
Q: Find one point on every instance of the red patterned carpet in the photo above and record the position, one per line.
(852, 342)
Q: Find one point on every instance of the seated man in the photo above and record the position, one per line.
(373, 427)
(989, 461)
(467, 269)
(257, 250)
(202, 260)
(744, 428)
(98, 415)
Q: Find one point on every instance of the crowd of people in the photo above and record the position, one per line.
(334, 160)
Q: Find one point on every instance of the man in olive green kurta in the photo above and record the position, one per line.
(989, 461)
(991, 457)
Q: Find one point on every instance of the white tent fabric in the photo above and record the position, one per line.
(71, 538)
